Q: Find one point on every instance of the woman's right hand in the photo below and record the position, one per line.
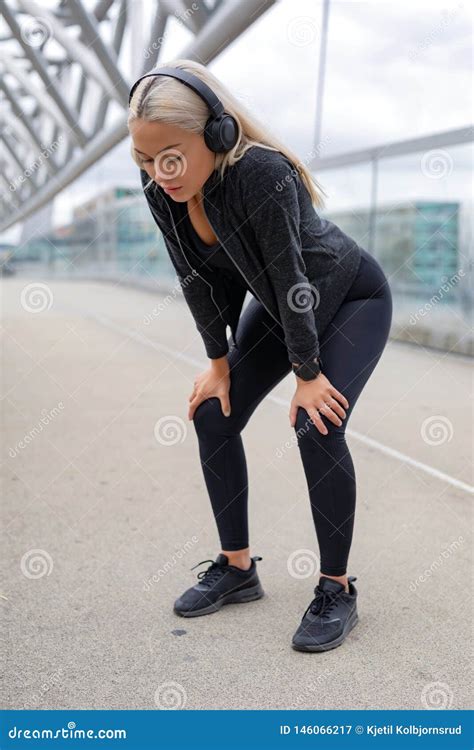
(212, 382)
(319, 396)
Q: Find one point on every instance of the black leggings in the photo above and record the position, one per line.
(350, 348)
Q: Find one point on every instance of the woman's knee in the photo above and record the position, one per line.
(209, 418)
(308, 434)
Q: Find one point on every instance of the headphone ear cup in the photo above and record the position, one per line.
(221, 133)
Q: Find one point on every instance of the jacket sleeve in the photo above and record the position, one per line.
(196, 291)
(270, 207)
(208, 320)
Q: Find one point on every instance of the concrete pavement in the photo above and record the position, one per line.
(105, 511)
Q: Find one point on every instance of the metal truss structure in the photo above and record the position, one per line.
(62, 72)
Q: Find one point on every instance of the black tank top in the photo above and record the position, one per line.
(213, 255)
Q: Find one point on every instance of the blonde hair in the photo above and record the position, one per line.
(166, 100)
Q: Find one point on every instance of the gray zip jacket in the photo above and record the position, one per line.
(299, 265)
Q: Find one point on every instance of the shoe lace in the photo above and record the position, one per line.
(323, 603)
(212, 574)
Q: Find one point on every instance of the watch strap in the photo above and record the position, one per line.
(308, 370)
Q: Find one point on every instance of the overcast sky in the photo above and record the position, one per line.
(394, 70)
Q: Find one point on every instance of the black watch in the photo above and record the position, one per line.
(308, 370)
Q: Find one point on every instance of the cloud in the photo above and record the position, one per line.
(393, 71)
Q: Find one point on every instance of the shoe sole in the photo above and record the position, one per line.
(236, 597)
(351, 623)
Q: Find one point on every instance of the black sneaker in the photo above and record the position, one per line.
(329, 617)
(220, 584)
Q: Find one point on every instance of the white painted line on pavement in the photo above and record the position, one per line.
(142, 339)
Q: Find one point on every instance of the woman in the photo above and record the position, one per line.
(237, 213)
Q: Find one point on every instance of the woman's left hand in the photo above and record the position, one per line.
(317, 396)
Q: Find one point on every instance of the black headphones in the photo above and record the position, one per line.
(221, 130)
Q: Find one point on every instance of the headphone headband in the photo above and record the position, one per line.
(195, 83)
(221, 131)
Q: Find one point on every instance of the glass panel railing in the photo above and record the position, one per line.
(420, 230)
